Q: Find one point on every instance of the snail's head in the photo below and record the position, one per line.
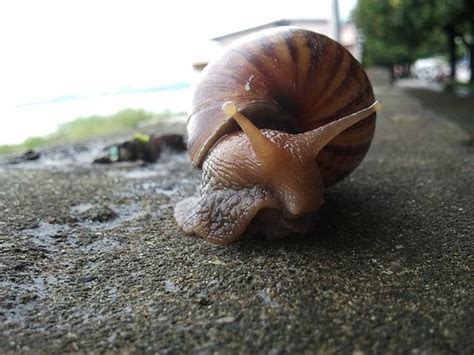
(263, 175)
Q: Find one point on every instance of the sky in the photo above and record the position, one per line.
(54, 48)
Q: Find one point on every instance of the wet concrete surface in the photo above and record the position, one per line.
(92, 261)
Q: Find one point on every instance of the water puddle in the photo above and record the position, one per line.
(171, 287)
(81, 208)
(138, 174)
(162, 189)
(28, 299)
(95, 218)
(46, 234)
(63, 158)
(266, 298)
(101, 245)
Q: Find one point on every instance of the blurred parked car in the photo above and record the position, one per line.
(463, 71)
(430, 69)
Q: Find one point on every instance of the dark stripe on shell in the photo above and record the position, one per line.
(255, 61)
(267, 47)
(337, 172)
(292, 48)
(335, 66)
(358, 149)
(315, 51)
(348, 108)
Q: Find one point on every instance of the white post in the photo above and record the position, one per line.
(335, 20)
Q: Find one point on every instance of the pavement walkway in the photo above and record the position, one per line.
(91, 259)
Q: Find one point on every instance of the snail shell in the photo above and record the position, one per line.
(285, 80)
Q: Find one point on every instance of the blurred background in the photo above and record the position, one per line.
(77, 69)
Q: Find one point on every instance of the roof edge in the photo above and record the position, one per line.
(277, 23)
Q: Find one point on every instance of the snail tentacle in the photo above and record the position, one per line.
(318, 138)
(264, 148)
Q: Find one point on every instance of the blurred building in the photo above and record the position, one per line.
(348, 35)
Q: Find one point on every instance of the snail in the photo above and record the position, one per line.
(279, 116)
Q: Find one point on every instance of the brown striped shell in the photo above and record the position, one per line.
(291, 80)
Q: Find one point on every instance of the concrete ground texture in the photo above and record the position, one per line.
(92, 261)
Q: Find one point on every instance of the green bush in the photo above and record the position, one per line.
(83, 128)
(34, 142)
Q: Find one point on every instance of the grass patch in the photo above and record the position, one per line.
(83, 128)
(454, 85)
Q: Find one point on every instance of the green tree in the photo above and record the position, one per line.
(395, 31)
(400, 31)
(456, 18)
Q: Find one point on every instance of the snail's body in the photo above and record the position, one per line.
(286, 81)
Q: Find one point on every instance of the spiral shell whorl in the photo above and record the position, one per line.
(288, 79)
